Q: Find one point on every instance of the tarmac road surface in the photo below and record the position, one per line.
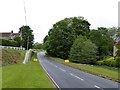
(68, 78)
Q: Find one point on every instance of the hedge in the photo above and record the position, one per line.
(111, 63)
(6, 42)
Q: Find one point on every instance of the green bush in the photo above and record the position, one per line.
(6, 42)
(83, 51)
(111, 63)
(118, 62)
(99, 63)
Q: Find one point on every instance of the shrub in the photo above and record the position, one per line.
(99, 63)
(111, 63)
(118, 63)
(6, 42)
(83, 51)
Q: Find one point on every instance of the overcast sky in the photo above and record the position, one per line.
(42, 14)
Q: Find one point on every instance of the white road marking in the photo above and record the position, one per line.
(56, 66)
(62, 69)
(51, 63)
(47, 61)
(98, 87)
(76, 76)
(51, 78)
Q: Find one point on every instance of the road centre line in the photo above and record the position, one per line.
(76, 76)
(62, 69)
(51, 63)
(69, 73)
(56, 66)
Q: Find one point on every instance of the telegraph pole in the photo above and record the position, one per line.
(25, 12)
(26, 24)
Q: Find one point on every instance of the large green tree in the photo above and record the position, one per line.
(61, 37)
(103, 41)
(27, 36)
(83, 51)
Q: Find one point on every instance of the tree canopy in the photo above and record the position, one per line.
(27, 36)
(71, 38)
(61, 37)
(38, 45)
(103, 41)
(83, 51)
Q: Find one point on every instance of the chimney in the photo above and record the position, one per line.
(12, 31)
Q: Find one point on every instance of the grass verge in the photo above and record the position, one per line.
(103, 71)
(0, 77)
(30, 75)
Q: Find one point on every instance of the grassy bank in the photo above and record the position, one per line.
(103, 71)
(0, 77)
(11, 56)
(0, 68)
(30, 75)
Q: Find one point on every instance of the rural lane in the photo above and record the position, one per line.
(66, 77)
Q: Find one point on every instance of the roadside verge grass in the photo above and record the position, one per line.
(29, 75)
(103, 71)
(0, 77)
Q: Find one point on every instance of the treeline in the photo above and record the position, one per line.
(71, 38)
(38, 46)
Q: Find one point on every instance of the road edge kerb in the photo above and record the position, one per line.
(55, 84)
(51, 79)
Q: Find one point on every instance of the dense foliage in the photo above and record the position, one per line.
(18, 40)
(61, 37)
(111, 63)
(27, 36)
(38, 46)
(6, 42)
(103, 41)
(83, 51)
(71, 38)
(118, 53)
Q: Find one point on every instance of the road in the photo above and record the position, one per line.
(66, 77)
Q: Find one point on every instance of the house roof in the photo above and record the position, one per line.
(5, 34)
(8, 34)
